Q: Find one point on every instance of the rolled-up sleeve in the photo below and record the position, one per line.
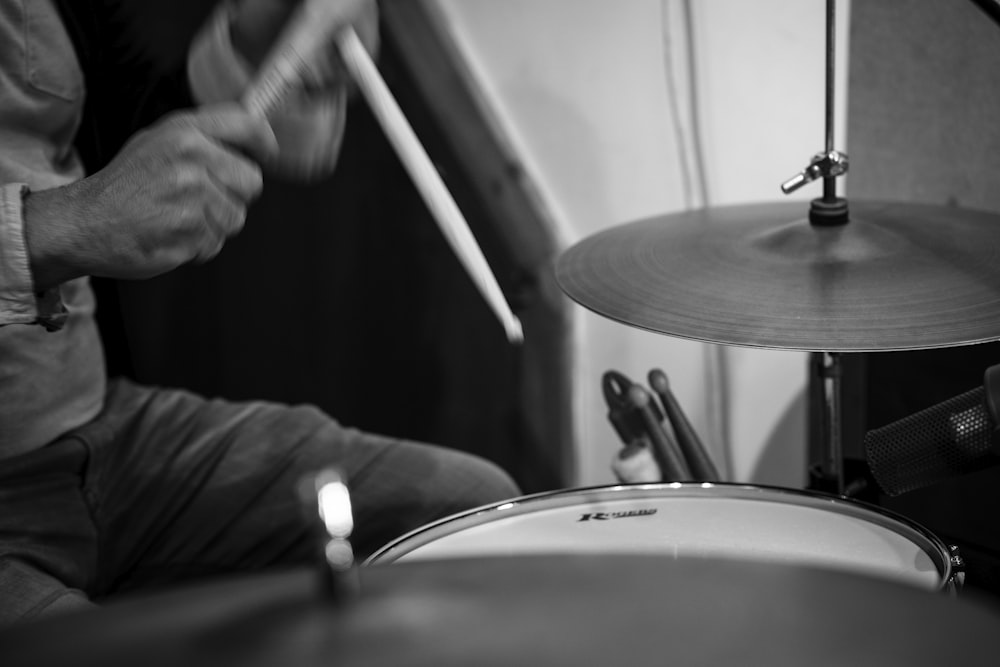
(309, 126)
(19, 303)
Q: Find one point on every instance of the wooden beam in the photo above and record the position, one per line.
(518, 216)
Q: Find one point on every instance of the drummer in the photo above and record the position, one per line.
(107, 486)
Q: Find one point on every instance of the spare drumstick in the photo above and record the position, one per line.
(668, 456)
(304, 39)
(694, 451)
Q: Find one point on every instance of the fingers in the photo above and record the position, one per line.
(232, 172)
(226, 145)
(230, 182)
(224, 216)
(202, 197)
(231, 125)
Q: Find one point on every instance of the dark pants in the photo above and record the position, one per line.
(166, 486)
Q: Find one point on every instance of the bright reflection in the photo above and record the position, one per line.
(339, 554)
(335, 508)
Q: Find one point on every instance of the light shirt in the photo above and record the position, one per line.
(51, 382)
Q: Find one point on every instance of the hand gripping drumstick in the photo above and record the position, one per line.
(307, 32)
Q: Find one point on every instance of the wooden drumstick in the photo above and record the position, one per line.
(304, 38)
(416, 161)
(308, 31)
(694, 451)
(667, 454)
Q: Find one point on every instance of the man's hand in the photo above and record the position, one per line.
(257, 24)
(174, 194)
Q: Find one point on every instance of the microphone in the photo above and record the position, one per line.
(955, 437)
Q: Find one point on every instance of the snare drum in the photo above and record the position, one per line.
(680, 521)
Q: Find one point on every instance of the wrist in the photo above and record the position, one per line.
(48, 236)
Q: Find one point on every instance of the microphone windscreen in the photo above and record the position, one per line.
(944, 441)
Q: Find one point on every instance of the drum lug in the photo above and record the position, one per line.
(957, 580)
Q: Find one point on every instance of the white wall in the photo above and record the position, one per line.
(582, 88)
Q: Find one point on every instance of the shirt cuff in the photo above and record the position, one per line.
(19, 302)
(309, 126)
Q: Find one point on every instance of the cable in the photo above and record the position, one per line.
(716, 360)
(694, 105)
(675, 112)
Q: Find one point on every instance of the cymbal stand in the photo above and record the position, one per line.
(828, 211)
(829, 371)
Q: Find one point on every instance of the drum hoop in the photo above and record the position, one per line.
(522, 505)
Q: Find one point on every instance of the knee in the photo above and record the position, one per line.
(30, 593)
(483, 482)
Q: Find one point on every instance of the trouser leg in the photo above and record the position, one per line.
(193, 487)
(48, 543)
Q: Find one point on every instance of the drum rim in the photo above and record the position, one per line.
(909, 529)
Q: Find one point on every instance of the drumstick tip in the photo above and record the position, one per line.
(515, 333)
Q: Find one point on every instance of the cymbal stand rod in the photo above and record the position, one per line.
(829, 180)
(828, 210)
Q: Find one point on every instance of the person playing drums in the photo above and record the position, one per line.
(110, 169)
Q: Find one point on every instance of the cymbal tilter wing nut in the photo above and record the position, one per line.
(823, 165)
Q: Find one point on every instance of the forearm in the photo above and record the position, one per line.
(86, 228)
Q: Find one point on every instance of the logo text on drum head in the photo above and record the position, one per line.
(604, 516)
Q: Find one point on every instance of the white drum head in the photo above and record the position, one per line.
(683, 521)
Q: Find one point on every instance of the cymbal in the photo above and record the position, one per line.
(529, 610)
(896, 277)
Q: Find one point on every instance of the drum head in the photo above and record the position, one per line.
(684, 521)
(528, 610)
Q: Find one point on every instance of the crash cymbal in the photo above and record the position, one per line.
(532, 610)
(896, 277)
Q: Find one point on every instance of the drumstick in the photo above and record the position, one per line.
(635, 462)
(668, 456)
(426, 178)
(302, 40)
(697, 457)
